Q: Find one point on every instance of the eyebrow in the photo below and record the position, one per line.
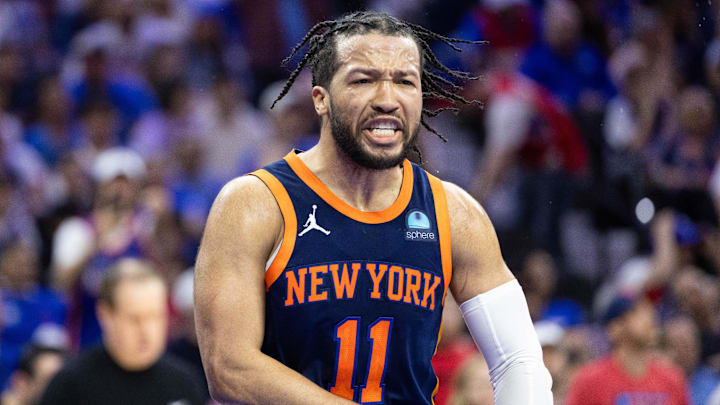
(375, 72)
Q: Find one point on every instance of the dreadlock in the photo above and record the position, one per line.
(435, 79)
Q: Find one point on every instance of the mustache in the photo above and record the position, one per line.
(375, 115)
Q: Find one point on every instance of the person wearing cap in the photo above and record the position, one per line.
(85, 247)
(555, 356)
(632, 373)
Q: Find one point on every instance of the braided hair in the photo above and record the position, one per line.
(437, 80)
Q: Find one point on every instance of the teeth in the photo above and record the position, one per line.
(383, 131)
(383, 124)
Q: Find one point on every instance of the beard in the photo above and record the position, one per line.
(350, 143)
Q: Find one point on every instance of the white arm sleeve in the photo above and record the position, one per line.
(499, 322)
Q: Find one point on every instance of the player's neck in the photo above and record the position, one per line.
(633, 360)
(363, 188)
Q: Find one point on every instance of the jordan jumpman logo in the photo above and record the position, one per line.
(311, 224)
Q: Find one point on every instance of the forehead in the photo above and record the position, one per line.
(140, 294)
(378, 51)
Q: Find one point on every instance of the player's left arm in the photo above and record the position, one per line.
(494, 306)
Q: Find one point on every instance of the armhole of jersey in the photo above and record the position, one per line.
(443, 222)
(280, 257)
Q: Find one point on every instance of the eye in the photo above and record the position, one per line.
(361, 81)
(407, 82)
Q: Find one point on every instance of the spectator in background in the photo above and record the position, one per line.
(671, 278)
(509, 26)
(580, 343)
(471, 385)
(162, 22)
(455, 348)
(574, 71)
(539, 280)
(16, 223)
(12, 69)
(681, 165)
(565, 64)
(37, 366)
(164, 64)
(529, 132)
(682, 346)
(632, 372)
(231, 131)
(26, 305)
(696, 295)
(99, 131)
(50, 133)
(550, 334)
(70, 192)
(98, 85)
(272, 27)
(292, 124)
(206, 50)
(84, 248)
(10, 124)
(108, 27)
(163, 238)
(184, 345)
(129, 367)
(19, 161)
(191, 193)
(159, 132)
(693, 28)
(638, 114)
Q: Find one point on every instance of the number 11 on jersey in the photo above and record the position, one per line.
(346, 336)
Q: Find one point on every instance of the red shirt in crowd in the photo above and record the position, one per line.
(448, 359)
(605, 382)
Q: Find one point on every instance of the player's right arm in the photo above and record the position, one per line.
(244, 226)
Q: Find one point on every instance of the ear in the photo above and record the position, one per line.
(321, 100)
(104, 314)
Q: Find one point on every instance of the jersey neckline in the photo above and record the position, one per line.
(368, 217)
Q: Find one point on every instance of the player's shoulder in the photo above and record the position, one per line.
(244, 195)
(244, 189)
(242, 203)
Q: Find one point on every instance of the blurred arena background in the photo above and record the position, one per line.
(596, 154)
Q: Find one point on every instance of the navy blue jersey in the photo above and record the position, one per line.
(354, 299)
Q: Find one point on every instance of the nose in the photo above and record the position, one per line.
(385, 100)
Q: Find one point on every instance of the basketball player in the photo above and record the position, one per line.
(347, 306)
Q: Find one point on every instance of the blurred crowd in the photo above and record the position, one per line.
(596, 154)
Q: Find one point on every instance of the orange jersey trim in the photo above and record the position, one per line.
(443, 222)
(376, 217)
(288, 212)
(437, 379)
